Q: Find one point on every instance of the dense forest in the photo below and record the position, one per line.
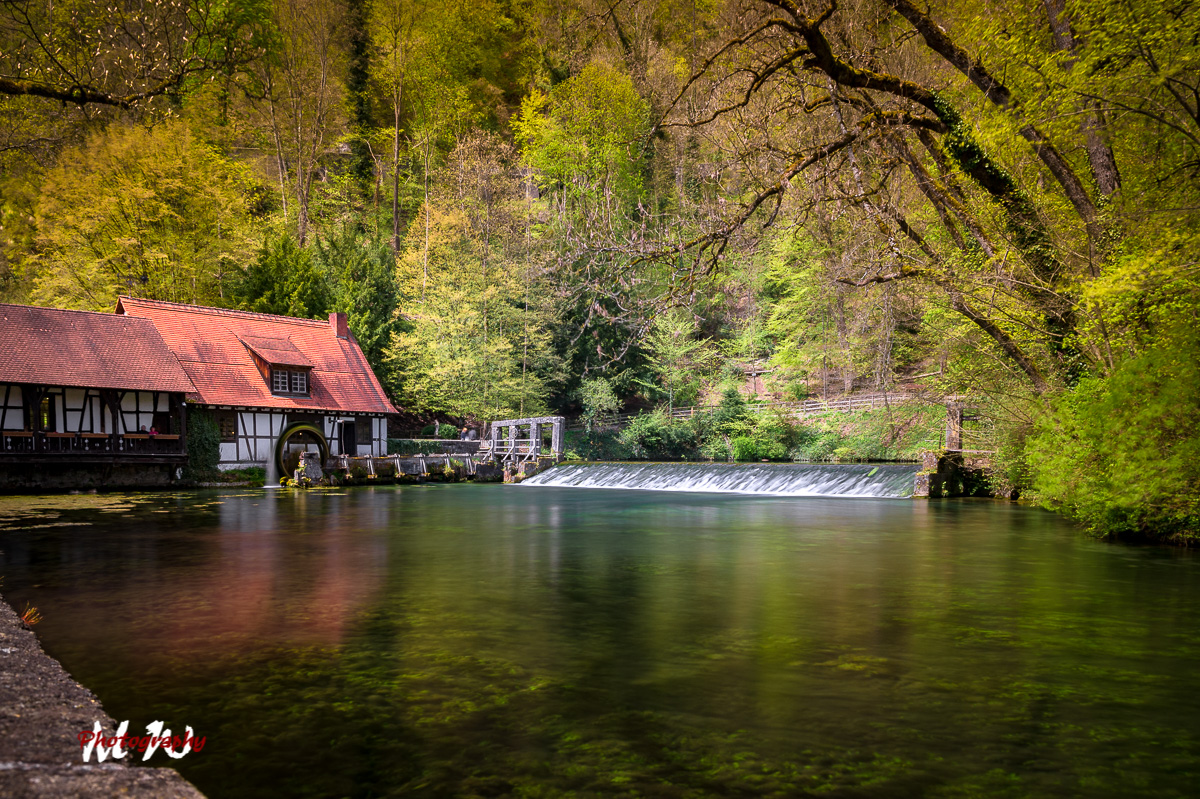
(530, 205)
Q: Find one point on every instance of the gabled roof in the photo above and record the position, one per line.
(275, 351)
(214, 346)
(53, 347)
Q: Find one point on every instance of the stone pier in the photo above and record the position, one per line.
(950, 474)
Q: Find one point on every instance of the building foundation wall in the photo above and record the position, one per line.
(19, 478)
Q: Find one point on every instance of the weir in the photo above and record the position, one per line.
(768, 479)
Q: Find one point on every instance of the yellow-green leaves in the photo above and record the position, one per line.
(154, 213)
(588, 133)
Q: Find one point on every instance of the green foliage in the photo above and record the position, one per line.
(597, 445)
(440, 430)
(203, 446)
(899, 433)
(587, 132)
(731, 414)
(763, 436)
(656, 436)
(251, 475)
(819, 326)
(745, 448)
(154, 213)
(361, 276)
(678, 360)
(728, 430)
(598, 399)
(284, 281)
(464, 353)
(1122, 454)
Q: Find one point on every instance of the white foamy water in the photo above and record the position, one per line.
(771, 479)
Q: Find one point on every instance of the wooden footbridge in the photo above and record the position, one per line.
(510, 445)
(514, 442)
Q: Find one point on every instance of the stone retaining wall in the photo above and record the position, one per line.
(42, 712)
(24, 477)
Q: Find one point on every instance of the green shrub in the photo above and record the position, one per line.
(814, 445)
(796, 391)
(732, 430)
(656, 436)
(771, 450)
(715, 449)
(204, 447)
(598, 400)
(745, 448)
(1122, 454)
(441, 430)
(597, 445)
(730, 413)
(899, 433)
(255, 475)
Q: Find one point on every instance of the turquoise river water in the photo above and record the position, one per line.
(489, 640)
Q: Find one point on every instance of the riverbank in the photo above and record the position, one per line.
(42, 712)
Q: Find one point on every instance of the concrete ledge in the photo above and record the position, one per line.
(42, 712)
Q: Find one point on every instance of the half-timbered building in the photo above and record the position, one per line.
(78, 387)
(274, 384)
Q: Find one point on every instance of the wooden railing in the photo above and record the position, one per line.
(23, 442)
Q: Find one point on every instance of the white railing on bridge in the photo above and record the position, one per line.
(521, 440)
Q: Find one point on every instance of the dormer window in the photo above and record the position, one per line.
(289, 381)
(281, 364)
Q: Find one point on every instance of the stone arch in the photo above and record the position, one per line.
(289, 431)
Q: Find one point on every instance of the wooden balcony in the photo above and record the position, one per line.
(48, 447)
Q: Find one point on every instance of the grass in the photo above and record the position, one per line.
(30, 616)
(254, 476)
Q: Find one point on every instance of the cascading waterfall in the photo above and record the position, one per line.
(772, 479)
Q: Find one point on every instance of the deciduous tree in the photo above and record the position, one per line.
(154, 213)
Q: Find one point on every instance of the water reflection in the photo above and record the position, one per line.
(482, 640)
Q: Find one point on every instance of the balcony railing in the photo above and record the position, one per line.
(24, 442)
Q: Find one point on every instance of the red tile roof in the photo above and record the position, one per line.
(53, 347)
(211, 343)
(279, 351)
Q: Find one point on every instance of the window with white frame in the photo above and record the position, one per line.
(288, 381)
